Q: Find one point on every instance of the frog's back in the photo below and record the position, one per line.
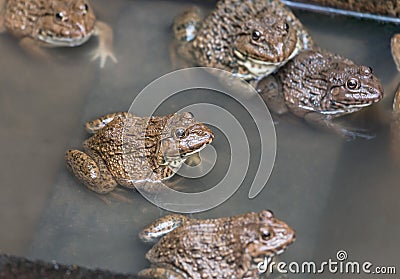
(203, 247)
(21, 16)
(125, 143)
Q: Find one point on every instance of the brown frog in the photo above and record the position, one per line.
(249, 38)
(216, 248)
(136, 151)
(55, 23)
(320, 86)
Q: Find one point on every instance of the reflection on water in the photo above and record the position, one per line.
(336, 194)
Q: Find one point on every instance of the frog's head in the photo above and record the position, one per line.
(351, 87)
(68, 23)
(183, 136)
(267, 237)
(265, 42)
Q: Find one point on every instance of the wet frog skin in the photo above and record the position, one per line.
(320, 86)
(249, 38)
(215, 248)
(55, 23)
(136, 151)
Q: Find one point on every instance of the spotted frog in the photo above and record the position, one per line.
(136, 151)
(249, 38)
(215, 248)
(320, 86)
(55, 23)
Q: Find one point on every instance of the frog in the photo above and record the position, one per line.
(228, 247)
(320, 86)
(136, 152)
(250, 38)
(55, 23)
(395, 49)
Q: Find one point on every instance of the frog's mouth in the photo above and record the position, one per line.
(63, 41)
(259, 67)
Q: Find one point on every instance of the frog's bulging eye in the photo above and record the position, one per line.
(265, 235)
(286, 27)
(180, 132)
(352, 84)
(256, 35)
(86, 6)
(59, 16)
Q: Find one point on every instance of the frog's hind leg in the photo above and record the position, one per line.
(97, 124)
(184, 29)
(271, 92)
(161, 227)
(91, 171)
(160, 273)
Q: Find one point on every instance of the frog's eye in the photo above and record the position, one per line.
(265, 235)
(180, 132)
(59, 16)
(352, 84)
(286, 27)
(256, 35)
(86, 6)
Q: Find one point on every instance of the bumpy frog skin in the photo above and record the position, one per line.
(55, 23)
(320, 86)
(249, 38)
(136, 151)
(216, 248)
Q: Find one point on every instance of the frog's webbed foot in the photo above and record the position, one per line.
(270, 90)
(97, 124)
(105, 49)
(160, 273)
(91, 171)
(327, 123)
(161, 227)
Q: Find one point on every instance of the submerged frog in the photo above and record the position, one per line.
(249, 38)
(136, 151)
(319, 86)
(55, 23)
(216, 248)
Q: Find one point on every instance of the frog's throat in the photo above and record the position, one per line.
(65, 41)
(260, 67)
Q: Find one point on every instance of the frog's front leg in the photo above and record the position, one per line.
(91, 171)
(327, 122)
(105, 49)
(161, 227)
(160, 273)
(270, 90)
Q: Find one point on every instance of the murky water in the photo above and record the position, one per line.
(335, 194)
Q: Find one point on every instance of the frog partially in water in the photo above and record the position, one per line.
(249, 38)
(55, 23)
(215, 248)
(136, 151)
(320, 86)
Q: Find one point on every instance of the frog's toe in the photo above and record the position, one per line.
(103, 55)
(352, 134)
